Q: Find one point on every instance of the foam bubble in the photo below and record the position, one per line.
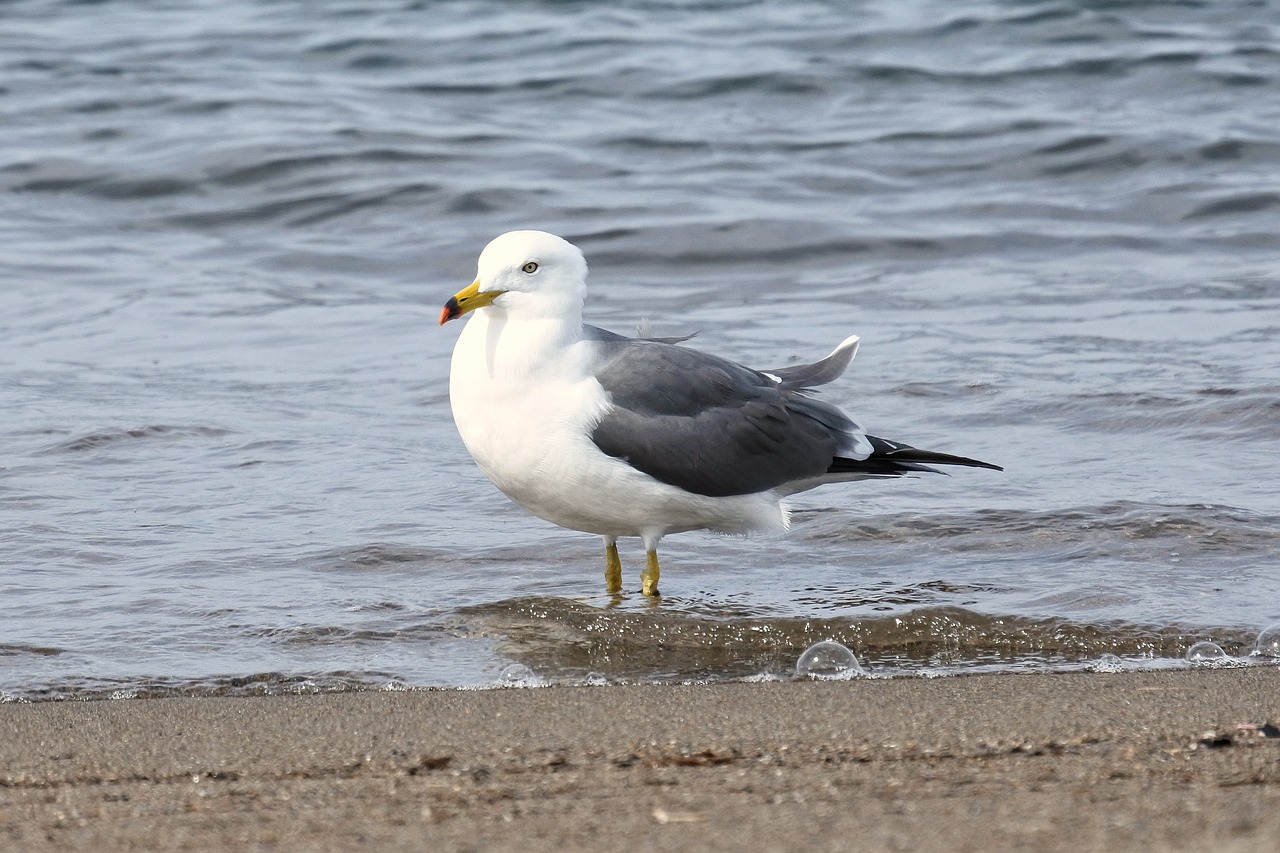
(1205, 653)
(828, 661)
(1108, 663)
(519, 675)
(762, 678)
(1268, 643)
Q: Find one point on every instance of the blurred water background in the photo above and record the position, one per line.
(227, 462)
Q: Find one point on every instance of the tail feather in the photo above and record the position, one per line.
(893, 459)
(803, 376)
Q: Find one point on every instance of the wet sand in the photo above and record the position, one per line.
(1150, 761)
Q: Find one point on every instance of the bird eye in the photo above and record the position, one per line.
(531, 267)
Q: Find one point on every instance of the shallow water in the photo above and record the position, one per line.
(228, 463)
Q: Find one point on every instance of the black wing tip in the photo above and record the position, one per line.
(964, 461)
(886, 454)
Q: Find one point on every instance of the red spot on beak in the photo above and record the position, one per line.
(449, 311)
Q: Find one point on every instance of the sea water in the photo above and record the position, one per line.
(227, 461)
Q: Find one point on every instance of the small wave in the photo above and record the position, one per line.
(483, 201)
(978, 132)
(1091, 67)
(104, 438)
(1242, 151)
(1202, 526)
(1244, 203)
(327, 635)
(16, 649)
(725, 245)
(557, 635)
(1228, 414)
(1237, 78)
(941, 390)
(1074, 144)
(379, 556)
(1124, 159)
(365, 54)
(347, 45)
(770, 83)
(266, 168)
(255, 684)
(526, 84)
(82, 179)
(307, 208)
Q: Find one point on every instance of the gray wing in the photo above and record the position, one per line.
(711, 426)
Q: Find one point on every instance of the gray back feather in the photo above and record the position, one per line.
(710, 426)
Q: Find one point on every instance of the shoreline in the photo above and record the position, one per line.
(1156, 760)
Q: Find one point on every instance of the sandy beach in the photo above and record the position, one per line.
(1153, 761)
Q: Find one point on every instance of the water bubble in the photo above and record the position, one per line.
(518, 675)
(595, 679)
(762, 678)
(1205, 653)
(1268, 644)
(828, 661)
(1107, 663)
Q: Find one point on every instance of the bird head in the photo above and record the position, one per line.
(527, 274)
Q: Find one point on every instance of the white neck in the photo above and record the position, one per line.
(518, 347)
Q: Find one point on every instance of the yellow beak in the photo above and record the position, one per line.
(468, 299)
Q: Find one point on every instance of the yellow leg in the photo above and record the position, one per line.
(612, 569)
(649, 577)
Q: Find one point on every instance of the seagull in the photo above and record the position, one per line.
(622, 436)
